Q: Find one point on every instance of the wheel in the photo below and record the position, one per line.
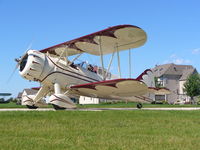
(31, 107)
(139, 105)
(56, 107)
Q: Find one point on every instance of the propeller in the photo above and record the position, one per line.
(19, 61)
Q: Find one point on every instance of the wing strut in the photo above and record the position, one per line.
(129, 52)
(118, 58)
(111, 59)
(101, 57)
(77, 57)
(65, 55)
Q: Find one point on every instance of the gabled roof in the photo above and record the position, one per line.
(187, 72)
(30, 91)
(160, 69)
(19, 95)
(172, 69)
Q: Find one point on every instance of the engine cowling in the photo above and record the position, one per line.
(32, 65)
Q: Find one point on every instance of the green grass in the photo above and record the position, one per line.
(105, 105)
(131, 105)
(106, 130)
(14, 105)
(11, 105)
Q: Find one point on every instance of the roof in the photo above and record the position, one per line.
(19, 95)
(172, 69)
(187, 72)
(30, 91)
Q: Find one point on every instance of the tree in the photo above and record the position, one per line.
(192, 86)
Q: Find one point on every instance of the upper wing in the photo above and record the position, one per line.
(111, 89)
(112, 39)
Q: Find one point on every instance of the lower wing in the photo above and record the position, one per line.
(111, 89)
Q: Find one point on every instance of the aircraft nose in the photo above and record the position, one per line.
(31, 65)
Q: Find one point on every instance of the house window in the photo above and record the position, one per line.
(160, 82)
(159, 97)
(166, 81)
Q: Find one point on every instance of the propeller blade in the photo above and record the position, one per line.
(19, 60)
(13, 72)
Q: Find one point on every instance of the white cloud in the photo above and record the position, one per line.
(196, 51)
(181, 61)
(177, 60)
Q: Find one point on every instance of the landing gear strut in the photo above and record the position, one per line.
(139, 105)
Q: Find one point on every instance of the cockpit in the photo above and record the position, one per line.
(87, 66)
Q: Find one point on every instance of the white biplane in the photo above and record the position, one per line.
(63, 79)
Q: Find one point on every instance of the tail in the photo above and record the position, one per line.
(147, 77)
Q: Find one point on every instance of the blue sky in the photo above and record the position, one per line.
(172, 26)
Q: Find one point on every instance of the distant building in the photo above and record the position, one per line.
(173, 77)
(19, 98)
(88, 100)
(29, 92)
(24, 93)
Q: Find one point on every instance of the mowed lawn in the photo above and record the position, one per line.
(100, 130)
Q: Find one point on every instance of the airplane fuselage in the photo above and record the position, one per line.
(48, 70)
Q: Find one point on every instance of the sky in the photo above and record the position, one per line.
(172, 27)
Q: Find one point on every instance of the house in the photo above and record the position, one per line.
(28, 92)
(19, 98)
(173, 77)
(88, 100)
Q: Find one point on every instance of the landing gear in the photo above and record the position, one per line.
(31, 107)
(59, 100)
(56, 107)
(139, 105)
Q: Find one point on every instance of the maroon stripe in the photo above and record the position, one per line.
(140, 77)
(60, 99)
(28, 100)
(69, 70)
(107, 82)
(89, 38)
(66, 75)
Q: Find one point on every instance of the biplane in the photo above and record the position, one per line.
(63, 79)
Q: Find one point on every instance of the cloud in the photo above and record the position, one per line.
(181, 61)
(177, 60)
(196, 51)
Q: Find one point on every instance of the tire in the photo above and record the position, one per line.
(139, 105)
(31, 107)
(56, 107)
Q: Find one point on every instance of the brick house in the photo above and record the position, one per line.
(173, 77)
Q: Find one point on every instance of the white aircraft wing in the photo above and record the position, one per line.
(111, 89)
(123, 89)
(116, 38)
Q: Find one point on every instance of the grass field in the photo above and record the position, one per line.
(105, 105)
(132, 105)
(106, 130)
